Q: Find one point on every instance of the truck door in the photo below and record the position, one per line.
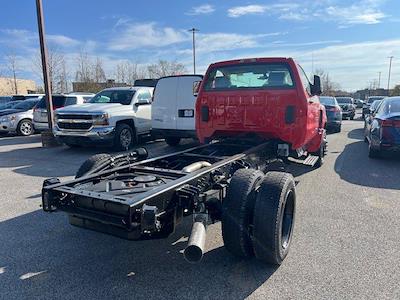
(313, 111)
(185, 103)
(142, 107)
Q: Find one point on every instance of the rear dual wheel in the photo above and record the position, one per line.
(258, 215)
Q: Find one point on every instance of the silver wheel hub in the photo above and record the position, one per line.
(125, 138)
(26, 128)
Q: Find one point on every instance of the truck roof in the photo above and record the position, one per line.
(127, 88)
(253, 60)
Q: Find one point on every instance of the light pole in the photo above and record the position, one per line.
(379, 81)
(48, 138)
(193, 31)
(390, 71)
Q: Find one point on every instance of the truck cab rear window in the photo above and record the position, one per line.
(250, 76)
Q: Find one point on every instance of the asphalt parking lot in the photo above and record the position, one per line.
(346, 243)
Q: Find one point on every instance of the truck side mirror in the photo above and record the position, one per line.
(196, 88)
(142, 102)
(316, 87)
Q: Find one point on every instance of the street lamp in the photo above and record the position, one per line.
(390, 71)
(193, 31)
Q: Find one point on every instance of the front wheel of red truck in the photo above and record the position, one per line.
(274, 216)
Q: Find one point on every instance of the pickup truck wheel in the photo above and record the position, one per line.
(321, 152)
(274, 216)
(373, 153)
(173, 141)
(237, 211)
(25, 128)
(91, 163)
(124, 137)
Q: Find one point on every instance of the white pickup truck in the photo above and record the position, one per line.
(114, 117)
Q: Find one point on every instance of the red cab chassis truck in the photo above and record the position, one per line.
(252, 115)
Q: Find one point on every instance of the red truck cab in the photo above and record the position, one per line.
(269, 97)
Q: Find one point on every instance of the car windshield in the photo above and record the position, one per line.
(244, 76)
(391, 107)
(327, 101)
(9, 105)
(114, 96)
(344, 100)
(372, 99)
(27, 104)
(375, 104)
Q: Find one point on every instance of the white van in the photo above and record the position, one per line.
(173, 108)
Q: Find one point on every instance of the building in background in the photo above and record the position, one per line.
(9, 86)
(364, 94)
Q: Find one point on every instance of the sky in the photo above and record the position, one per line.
(350, 39)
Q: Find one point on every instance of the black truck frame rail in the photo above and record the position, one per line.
(137, 198)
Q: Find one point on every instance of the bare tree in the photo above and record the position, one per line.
(84, 65)
(98, 73)
(329, 87)
(13, 68)
(127, 72)
(165, 68)
(57, 70)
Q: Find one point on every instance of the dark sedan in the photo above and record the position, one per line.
(333, 113)
(382, 130)
(347, 106)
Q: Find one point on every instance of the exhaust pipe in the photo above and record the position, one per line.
(195, 249)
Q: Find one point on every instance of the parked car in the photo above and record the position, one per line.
(19, 119)
(359, 103)
(382, 130)
(333, 113)
(115, 117)
(172, 112)
(368, 102)
(347, 106)
(40, 121)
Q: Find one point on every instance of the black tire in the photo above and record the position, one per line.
(124, 138)
(321, 152)
(173, 141)
(92, 163)
(352, 117)
(274, 216)
(25, 128)
(373, 153)
(237, 211)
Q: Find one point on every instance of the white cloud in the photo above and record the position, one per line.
(62, 40)
(139, 35)
(355, 14)
(204, 9)
(360, 12)
(239, 11)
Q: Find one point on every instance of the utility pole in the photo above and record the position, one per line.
(390, 71)
(193, 31)
(379, 80)
(48, 138)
